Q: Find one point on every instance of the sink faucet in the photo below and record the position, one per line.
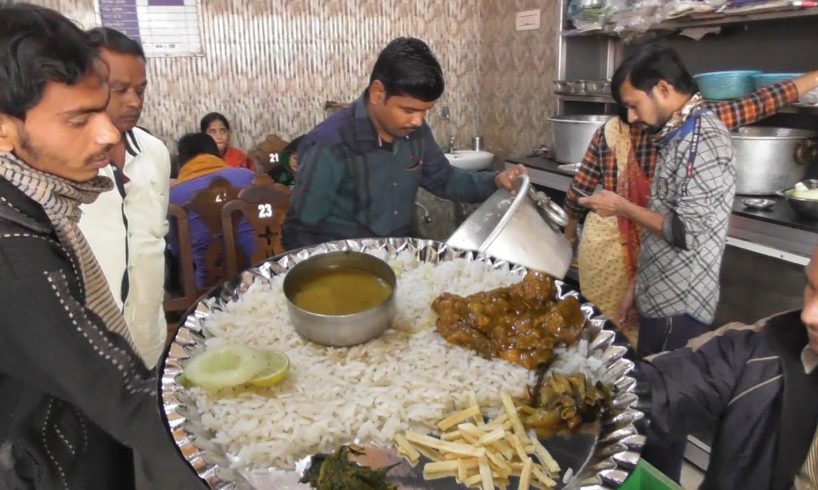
(451, 148)
(446, 115)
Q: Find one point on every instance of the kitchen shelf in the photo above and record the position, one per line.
(607, 99)
(601, 99)
(712, 20)
(728, 19)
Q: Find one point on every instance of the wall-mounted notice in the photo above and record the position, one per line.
(164, 27)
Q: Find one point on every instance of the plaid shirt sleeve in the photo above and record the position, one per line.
(762, 103)
(587, 177)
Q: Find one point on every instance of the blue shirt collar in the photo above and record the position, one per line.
(364, 129)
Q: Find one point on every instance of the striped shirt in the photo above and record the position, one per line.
(599, 164)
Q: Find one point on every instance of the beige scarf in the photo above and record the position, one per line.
(60, 199)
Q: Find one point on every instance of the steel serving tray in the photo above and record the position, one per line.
(601, 455)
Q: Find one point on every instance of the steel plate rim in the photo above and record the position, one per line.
(613, 469)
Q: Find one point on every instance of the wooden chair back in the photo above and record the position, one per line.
(264, 205)
(208, 204)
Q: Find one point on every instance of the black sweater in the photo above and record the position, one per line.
(70, 416)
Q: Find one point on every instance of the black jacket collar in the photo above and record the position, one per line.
(799, 400)
(19, 209)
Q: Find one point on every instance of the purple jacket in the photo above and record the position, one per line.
(199, 234)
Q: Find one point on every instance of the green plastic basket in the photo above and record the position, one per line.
(646, 477)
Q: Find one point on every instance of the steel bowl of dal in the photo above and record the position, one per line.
(342, 298)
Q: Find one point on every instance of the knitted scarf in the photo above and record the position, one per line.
(61, 199)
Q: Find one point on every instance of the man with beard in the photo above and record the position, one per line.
(76, 400)
(359, 171)
(126, 226)
(684, 225)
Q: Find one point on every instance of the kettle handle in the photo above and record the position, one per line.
(555, 214)
(806, 152)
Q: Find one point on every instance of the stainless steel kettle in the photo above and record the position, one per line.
(524, 228)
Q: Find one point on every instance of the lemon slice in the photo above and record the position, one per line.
(225, 366)
(278, 365)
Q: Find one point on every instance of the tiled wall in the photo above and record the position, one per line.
(516, 70)
(270, 65)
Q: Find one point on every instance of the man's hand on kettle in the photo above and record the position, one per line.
(506, 178)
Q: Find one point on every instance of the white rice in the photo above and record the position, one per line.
(409, 378)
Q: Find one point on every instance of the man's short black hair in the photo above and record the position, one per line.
(209, 118)
(118, 42)
(38, 45)
(292, 146)
(406, 66)
(193, 144)
(648, 65)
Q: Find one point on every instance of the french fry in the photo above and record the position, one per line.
(478, 419)
(451, 447)
(493, 436)
(503, 448)
(431, 454)
(525, 475)
(485, 474)
(452, 420)
(518, 446)
(452, 436)
(462, 471)
(437, 476)
(497, 422)
(474, 480)
(511, 411)
(545, 457)
(539, 475)
(407, 450)
(500, 467)
(441, 467)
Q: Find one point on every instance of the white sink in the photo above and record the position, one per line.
(470, 159)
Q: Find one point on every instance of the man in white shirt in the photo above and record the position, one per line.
(126, 226)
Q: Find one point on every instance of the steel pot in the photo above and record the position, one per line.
(524, 229)
(771, 159)
(570, 135)
(340, 330)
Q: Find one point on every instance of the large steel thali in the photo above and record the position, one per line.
(601, 455)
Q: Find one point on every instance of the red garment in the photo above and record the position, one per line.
(236, 158)
(635, 187)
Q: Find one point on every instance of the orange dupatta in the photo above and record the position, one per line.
(199, 166)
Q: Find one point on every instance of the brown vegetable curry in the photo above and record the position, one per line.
(563, 403)
(521, 323)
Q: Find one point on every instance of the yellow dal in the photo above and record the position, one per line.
(342, 291)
